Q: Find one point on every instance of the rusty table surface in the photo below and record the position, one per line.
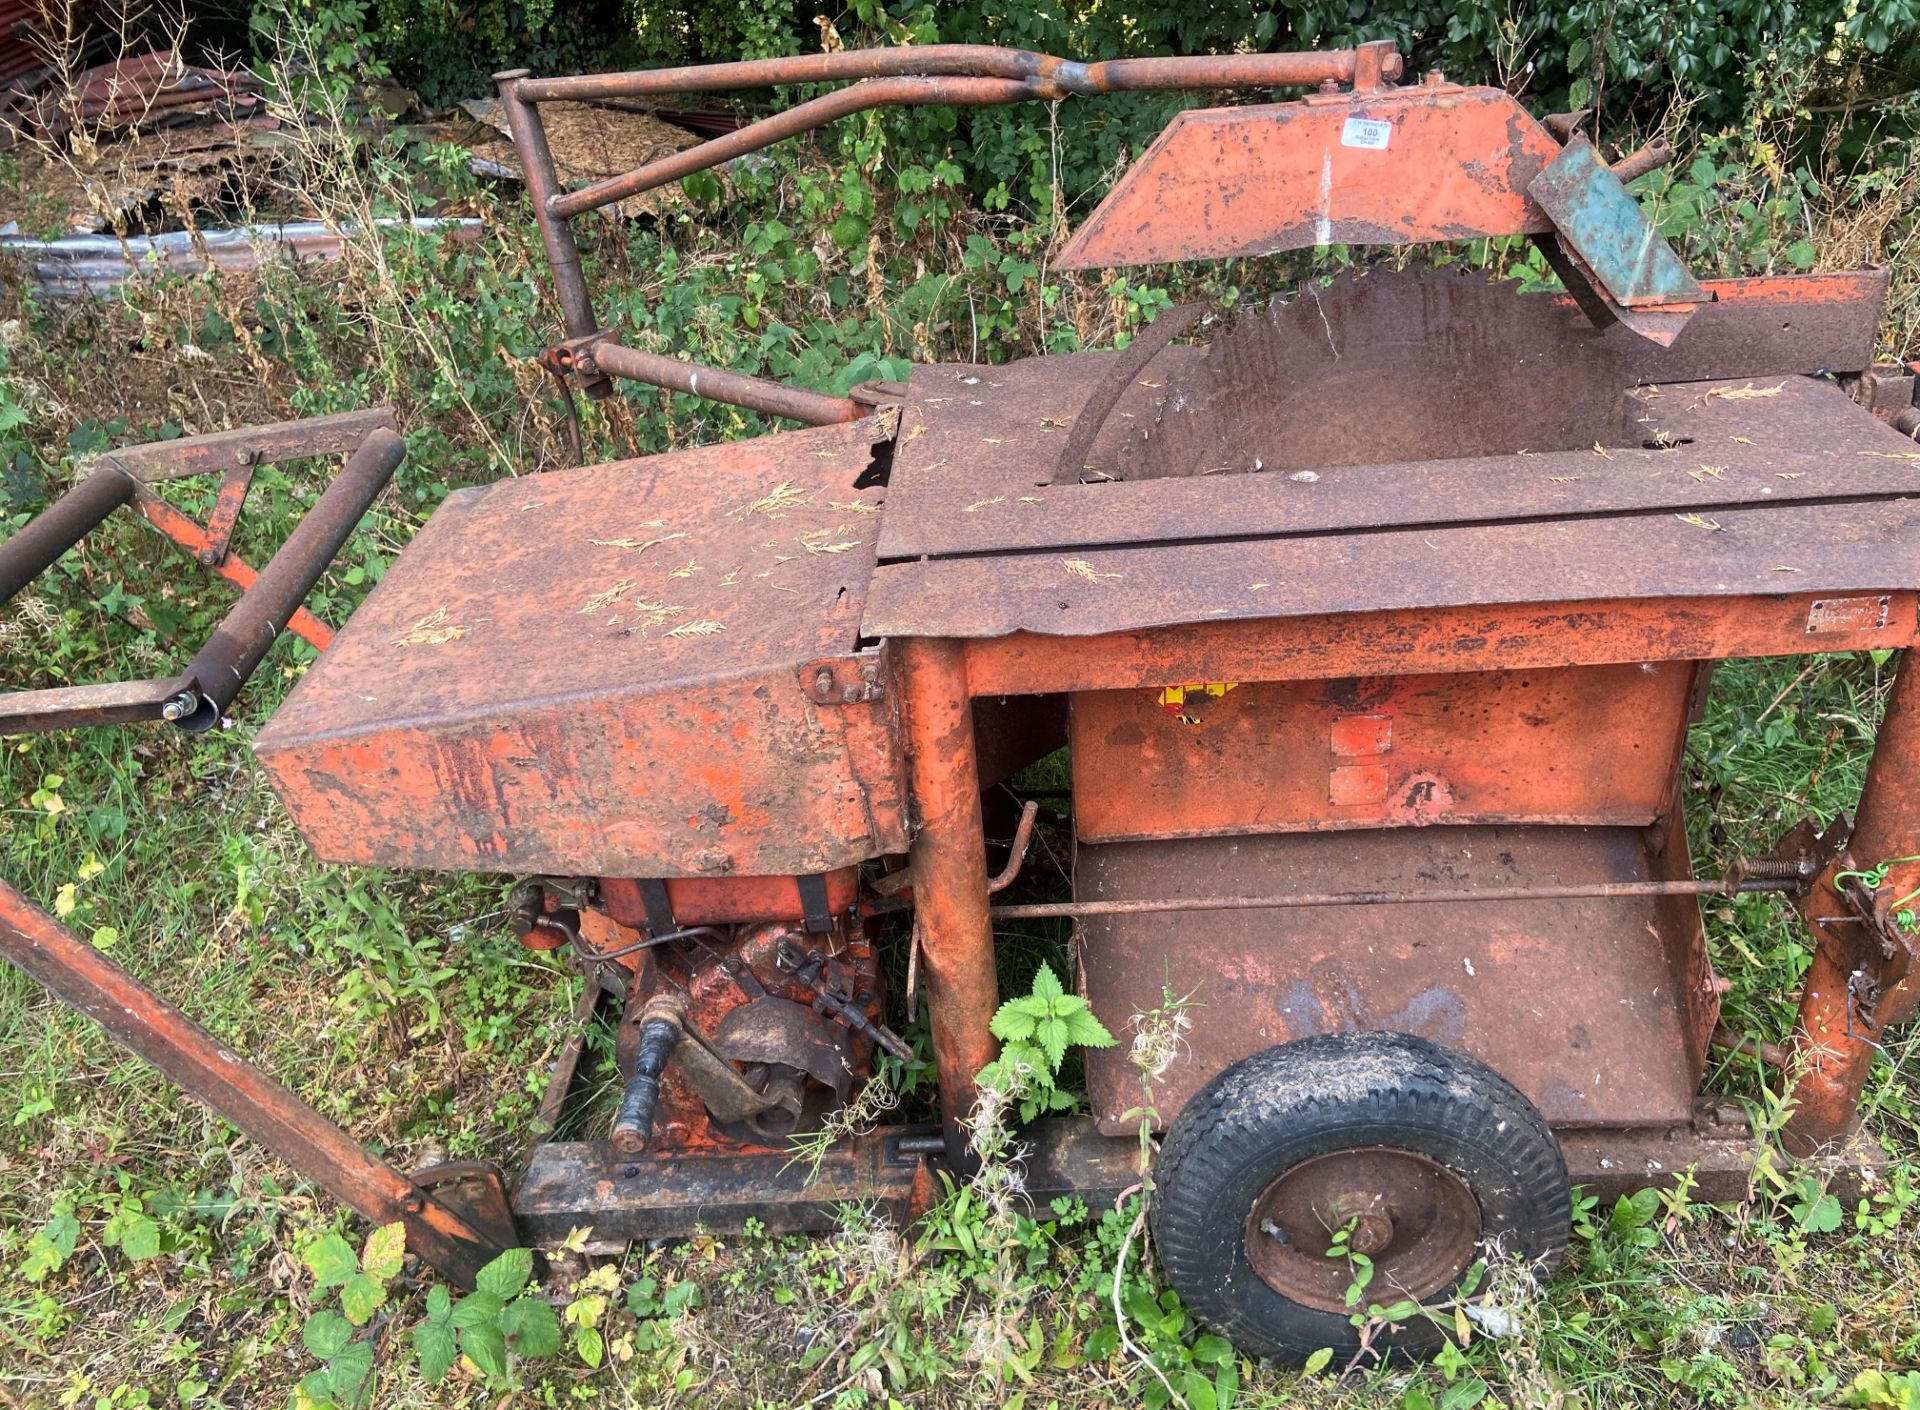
(596, 671)
(1573, 1001)
(1401, 441)
(1748, 488)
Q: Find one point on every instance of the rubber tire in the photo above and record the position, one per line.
(1339, 1091)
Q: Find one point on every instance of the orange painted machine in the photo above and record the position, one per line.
(1374, 622)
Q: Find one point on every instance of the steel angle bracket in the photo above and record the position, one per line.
(1606, 240)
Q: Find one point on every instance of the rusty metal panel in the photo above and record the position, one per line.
(1464, 639)
(1707, 452)
(599, 672)
(1573, 1000)
(1396, 168)
(1831, 547)
(1424, 366)
(1596, 744)
(1377, 371)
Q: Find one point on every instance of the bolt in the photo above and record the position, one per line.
(180, 706)
(629, 1171)
(823, 683)
(1329, 85)
(1434, 79)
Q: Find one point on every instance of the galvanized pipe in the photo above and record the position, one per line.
(804, 117)
(244, 637)
(267, 1112)
(733, 388)
(60, 526)
(1056, 910)
(1059, 78)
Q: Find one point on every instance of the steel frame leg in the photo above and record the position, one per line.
(1834, 1041)
(949, 859)
(266, 1111)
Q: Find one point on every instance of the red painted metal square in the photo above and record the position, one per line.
(1357, 785)
(1360, 736)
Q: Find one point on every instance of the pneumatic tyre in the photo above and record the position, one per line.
(1426, 1153)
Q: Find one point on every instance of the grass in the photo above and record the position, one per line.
(149, 1256)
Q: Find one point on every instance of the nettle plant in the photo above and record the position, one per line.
(1035, 1032)
(503, 1320)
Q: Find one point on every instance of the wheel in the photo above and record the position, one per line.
(1426, 1153)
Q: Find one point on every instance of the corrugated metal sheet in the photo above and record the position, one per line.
(80, 264)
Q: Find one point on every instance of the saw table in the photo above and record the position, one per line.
(1373, 621)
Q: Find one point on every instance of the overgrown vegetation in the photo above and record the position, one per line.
(148, 1256)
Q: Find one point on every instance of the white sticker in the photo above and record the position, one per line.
(1371, 133)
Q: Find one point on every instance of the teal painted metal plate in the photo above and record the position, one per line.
(1604, 225)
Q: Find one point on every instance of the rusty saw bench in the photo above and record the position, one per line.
(1375, 621)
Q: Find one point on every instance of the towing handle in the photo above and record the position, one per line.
(269, 601)
(248, 632)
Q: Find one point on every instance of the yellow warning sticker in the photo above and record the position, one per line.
(1183, 701)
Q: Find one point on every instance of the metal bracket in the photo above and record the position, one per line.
(226, 511)
(476, 1191)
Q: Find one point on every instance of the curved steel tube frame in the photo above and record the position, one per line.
(966, 75)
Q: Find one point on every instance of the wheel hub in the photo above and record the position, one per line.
(1415, 1219)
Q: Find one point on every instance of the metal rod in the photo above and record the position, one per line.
(529, 135)
(267, 1112)
(732, 388)
(251, 445)
(74, 706)
(1061, 909)
(244, 637)
(61, 525)
(1017, 855)
(1060, 77)
(803, 117)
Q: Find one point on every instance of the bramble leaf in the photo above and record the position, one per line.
(330, 1259)
(507, 1274)
(362, 1297)
(386, 1249)
(326, 1335)
(530, 1326)
(433, 1343)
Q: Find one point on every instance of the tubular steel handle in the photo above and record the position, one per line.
(70, 518)
(243, 639)
(969, 75)
(195, 699)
